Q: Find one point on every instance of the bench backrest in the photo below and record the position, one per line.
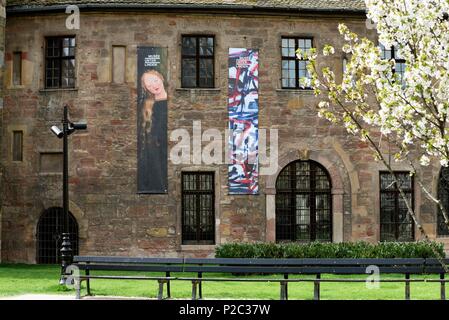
(304, 266)
(129, 264)
(261, 266)
(434, 266)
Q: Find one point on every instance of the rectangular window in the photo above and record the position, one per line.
(60, 62)
(197, 62)
(17, 146)
(294, 69)
(17, 69)
(396, 224)
(198, 213)
(399, 69)
(118, 64)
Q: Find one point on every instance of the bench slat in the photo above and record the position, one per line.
(299, 270)
(295, 280)
(98, 259)
(126, 277)
(131, 267)
(302, 262)
(433, 261)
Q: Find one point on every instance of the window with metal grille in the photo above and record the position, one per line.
(443, 196)
(197, 62)
(49, 235)
(303, 203)
(396, 224)
(17, 146)
(198, 212)
(294, 69)
(60, 62)
(399, 69)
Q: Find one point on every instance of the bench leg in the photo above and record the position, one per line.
(286, 287)
(443, 287)
(200, 275)
(88, 283)
(194, 288)
(161, 290)
(284, 294)
(316, 288)
(407, 287)
(78, 289)
(167, 274)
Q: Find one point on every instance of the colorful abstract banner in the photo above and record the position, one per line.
(243, 108)
(151, 120)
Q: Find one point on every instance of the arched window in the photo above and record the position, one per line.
(303, 203)
(49, 232)
(443, 196)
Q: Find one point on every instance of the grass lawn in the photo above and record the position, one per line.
(17, 279)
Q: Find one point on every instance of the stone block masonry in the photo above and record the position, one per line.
(113, 219)
(2, 69)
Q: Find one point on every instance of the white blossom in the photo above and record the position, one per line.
(424, 160)
(412, 110)
(328, 50)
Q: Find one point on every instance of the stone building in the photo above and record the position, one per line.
(326, 185)
(2, 65)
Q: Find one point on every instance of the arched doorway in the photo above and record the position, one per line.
(443, 196)
(303, 203)
(49, 232)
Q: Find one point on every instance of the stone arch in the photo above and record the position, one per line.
(50, 225)
(340, 186)
(74, 209)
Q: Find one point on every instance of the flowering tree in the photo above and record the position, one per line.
(405, 110)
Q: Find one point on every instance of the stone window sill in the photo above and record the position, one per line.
(58, 90)
(16, 87)
(45, 174)
(212, 90)
(300, 91)
(197, 247)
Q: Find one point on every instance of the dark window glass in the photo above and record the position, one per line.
(443, 196)
(399, 69)
(293, 69)
(60, 62)
(49, 235)
(303, 203)
(17, 145)
(198, 212)
(197, 62)
(396, 224)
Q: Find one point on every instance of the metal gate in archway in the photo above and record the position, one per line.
(49, 235)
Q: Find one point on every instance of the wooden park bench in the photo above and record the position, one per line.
(206, 268)
(92, 263)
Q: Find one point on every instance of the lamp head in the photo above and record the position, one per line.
(57, 132)
(82, 125)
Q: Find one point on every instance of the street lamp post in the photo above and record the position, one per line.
(66, 246)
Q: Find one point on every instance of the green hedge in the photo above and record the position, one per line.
(330, 250)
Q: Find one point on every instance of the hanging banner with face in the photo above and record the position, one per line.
(243, 109)
(151, 120)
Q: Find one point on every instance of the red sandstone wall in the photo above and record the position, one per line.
(113, 219)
